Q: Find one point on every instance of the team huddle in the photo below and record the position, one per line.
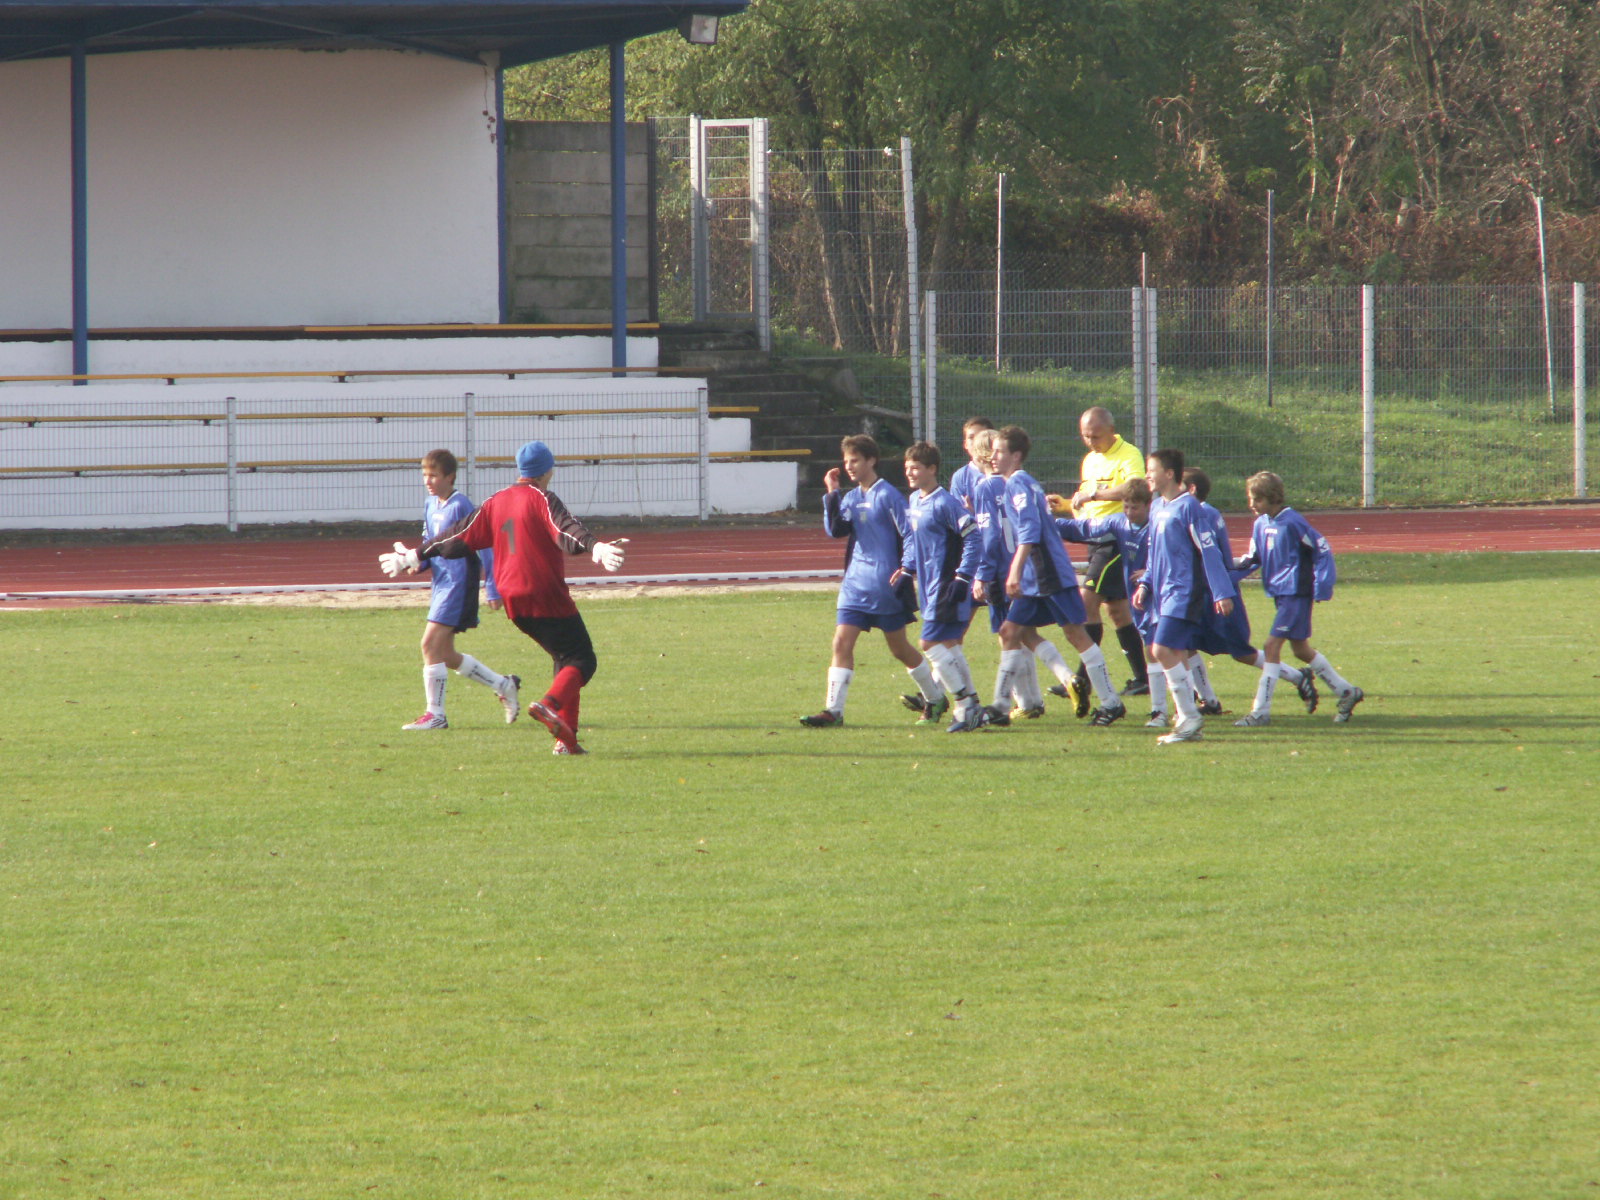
(1160, 563)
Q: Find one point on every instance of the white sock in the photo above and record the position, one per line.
(1265, 686)
(1158, 688)
(922, 674)
(1182, 689)
(1329, 676)
(471, 668)
(950, 665)
(1026, 684)
(434, 678)
(1047, 653)
(1290, 672)
(1202, 678)
(838, 686)
(1005, 677)
(1094, 662)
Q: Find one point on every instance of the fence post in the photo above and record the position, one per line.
(1580, 396)
(930, 363)
(703, 402)
(1136, 321)
(761, 233)
(1152, 351)
(469, 458)
(913, 288)
(699, 220)
(1369, 410)
(233, 464)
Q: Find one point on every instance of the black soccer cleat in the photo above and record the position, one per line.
(826, 719)
(1108, 716)
(1306, 685)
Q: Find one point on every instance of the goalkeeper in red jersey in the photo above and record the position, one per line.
(529, 528)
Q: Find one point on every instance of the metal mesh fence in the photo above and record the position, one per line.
(836, 245)
(1468, 403)
(129, 459)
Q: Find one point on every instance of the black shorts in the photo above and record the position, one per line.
(565, 639)
(1104, 572)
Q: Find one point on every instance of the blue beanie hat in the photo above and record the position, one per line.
(534, 459)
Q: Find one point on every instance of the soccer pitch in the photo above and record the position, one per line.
(260, 943)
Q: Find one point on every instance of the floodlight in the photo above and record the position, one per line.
(698, 29)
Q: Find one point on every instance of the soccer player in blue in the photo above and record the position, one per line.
(453, 601)
(873, 516)
(1184, 577)
(1230, 635)
(1041, 586)
(1297, 570)
(942, 555)
(1130, 529)
(965, 478)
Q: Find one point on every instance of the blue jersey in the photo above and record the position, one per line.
(1294, 558)
(1130, 538)
(1184, 572)
(963, 483)
(454, 576)
(990, 512)
(943, 552)
(1047, 569)
(874, 519)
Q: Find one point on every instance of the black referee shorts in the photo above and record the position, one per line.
(565, 639)
(1104, 573)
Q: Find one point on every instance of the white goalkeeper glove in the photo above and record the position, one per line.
(609, 554)
(401, 559)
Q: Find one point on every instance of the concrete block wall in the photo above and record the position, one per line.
(558, 206)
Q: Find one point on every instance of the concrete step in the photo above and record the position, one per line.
(742, 383)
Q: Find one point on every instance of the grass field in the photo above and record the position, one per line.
(259, 943)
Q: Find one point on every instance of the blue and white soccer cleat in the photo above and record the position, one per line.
(1184, 731)
(1347, 704)
(510, 694)
(1253, 720)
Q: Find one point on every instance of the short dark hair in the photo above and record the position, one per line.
(1137, 490)
(1201, 482)
(925, 453)
(1016, 439)
(441, 461)
(972, 423)
(862, 444)
(1170, 460)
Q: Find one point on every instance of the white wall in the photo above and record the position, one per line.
(253, 187)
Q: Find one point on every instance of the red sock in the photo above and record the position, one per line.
(564, 691)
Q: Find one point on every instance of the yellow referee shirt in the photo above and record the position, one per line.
(1112, 469)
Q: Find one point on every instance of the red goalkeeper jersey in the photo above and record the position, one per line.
(528, 531)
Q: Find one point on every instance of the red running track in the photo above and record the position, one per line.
(800, 548)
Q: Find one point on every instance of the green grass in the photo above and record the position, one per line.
(258, 943)
(1434, 445)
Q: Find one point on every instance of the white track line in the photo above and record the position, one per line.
(290, 588)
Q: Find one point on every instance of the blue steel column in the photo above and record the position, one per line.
(619, 212)
(501, 215)
(80, 212)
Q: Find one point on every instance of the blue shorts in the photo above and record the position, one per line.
(454, 603)
(1292, 621)
(1058, 608)
(997, 612)
(888, 622)
(1176, 634)
(944, 631)
(1228, 635)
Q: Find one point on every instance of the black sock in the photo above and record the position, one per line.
(1128, 635)
(1095, 629)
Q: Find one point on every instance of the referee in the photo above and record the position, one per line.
(1107, 468)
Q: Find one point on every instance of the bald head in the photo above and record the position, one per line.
(1097, 429)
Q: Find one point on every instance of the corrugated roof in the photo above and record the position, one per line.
(519, 32)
